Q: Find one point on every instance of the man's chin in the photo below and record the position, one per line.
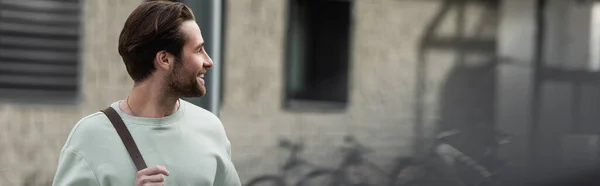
(196, 93)
(199, 94)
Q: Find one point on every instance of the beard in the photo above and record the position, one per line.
(184, 82)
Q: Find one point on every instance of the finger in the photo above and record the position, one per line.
(154, 170)
(154, 184)
(157, 178)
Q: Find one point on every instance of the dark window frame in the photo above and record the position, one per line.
(302, 100)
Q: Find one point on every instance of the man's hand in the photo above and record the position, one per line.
(151, 176)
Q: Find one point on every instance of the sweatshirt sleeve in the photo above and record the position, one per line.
(74, 170)
(227, 174)
(229, 150)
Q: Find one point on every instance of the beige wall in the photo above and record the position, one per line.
(382, 96)
(31, 136)
(381, 114)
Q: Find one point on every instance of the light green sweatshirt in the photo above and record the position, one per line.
(191, 144)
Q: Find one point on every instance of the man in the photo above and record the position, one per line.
(182, 144)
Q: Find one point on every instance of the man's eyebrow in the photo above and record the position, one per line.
(200, 46)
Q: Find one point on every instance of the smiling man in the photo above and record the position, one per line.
(182, 144)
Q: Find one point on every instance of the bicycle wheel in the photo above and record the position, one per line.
(407, 172)
(268, 180)
(406, 176)
(322, 177)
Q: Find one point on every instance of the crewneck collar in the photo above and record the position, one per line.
(167, 120)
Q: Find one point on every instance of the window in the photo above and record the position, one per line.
(39, 50)
(317, 53)
(569, 70)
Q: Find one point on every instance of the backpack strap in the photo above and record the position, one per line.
(128, 141)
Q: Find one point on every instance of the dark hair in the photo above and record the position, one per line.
(150, 28)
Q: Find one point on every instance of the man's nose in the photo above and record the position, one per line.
(208, 63)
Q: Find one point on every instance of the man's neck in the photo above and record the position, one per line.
(151, 101)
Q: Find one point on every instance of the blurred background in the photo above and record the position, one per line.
(389, 92)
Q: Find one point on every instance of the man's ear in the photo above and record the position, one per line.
(164, 60)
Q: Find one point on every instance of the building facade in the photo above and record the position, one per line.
(412, 68)
(385, 50)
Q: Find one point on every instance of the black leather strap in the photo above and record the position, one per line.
(123, 132)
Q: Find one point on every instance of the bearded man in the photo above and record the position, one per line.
(164, 140)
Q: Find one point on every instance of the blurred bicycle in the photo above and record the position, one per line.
(440, 167)
(293, 162)
(356, 170)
